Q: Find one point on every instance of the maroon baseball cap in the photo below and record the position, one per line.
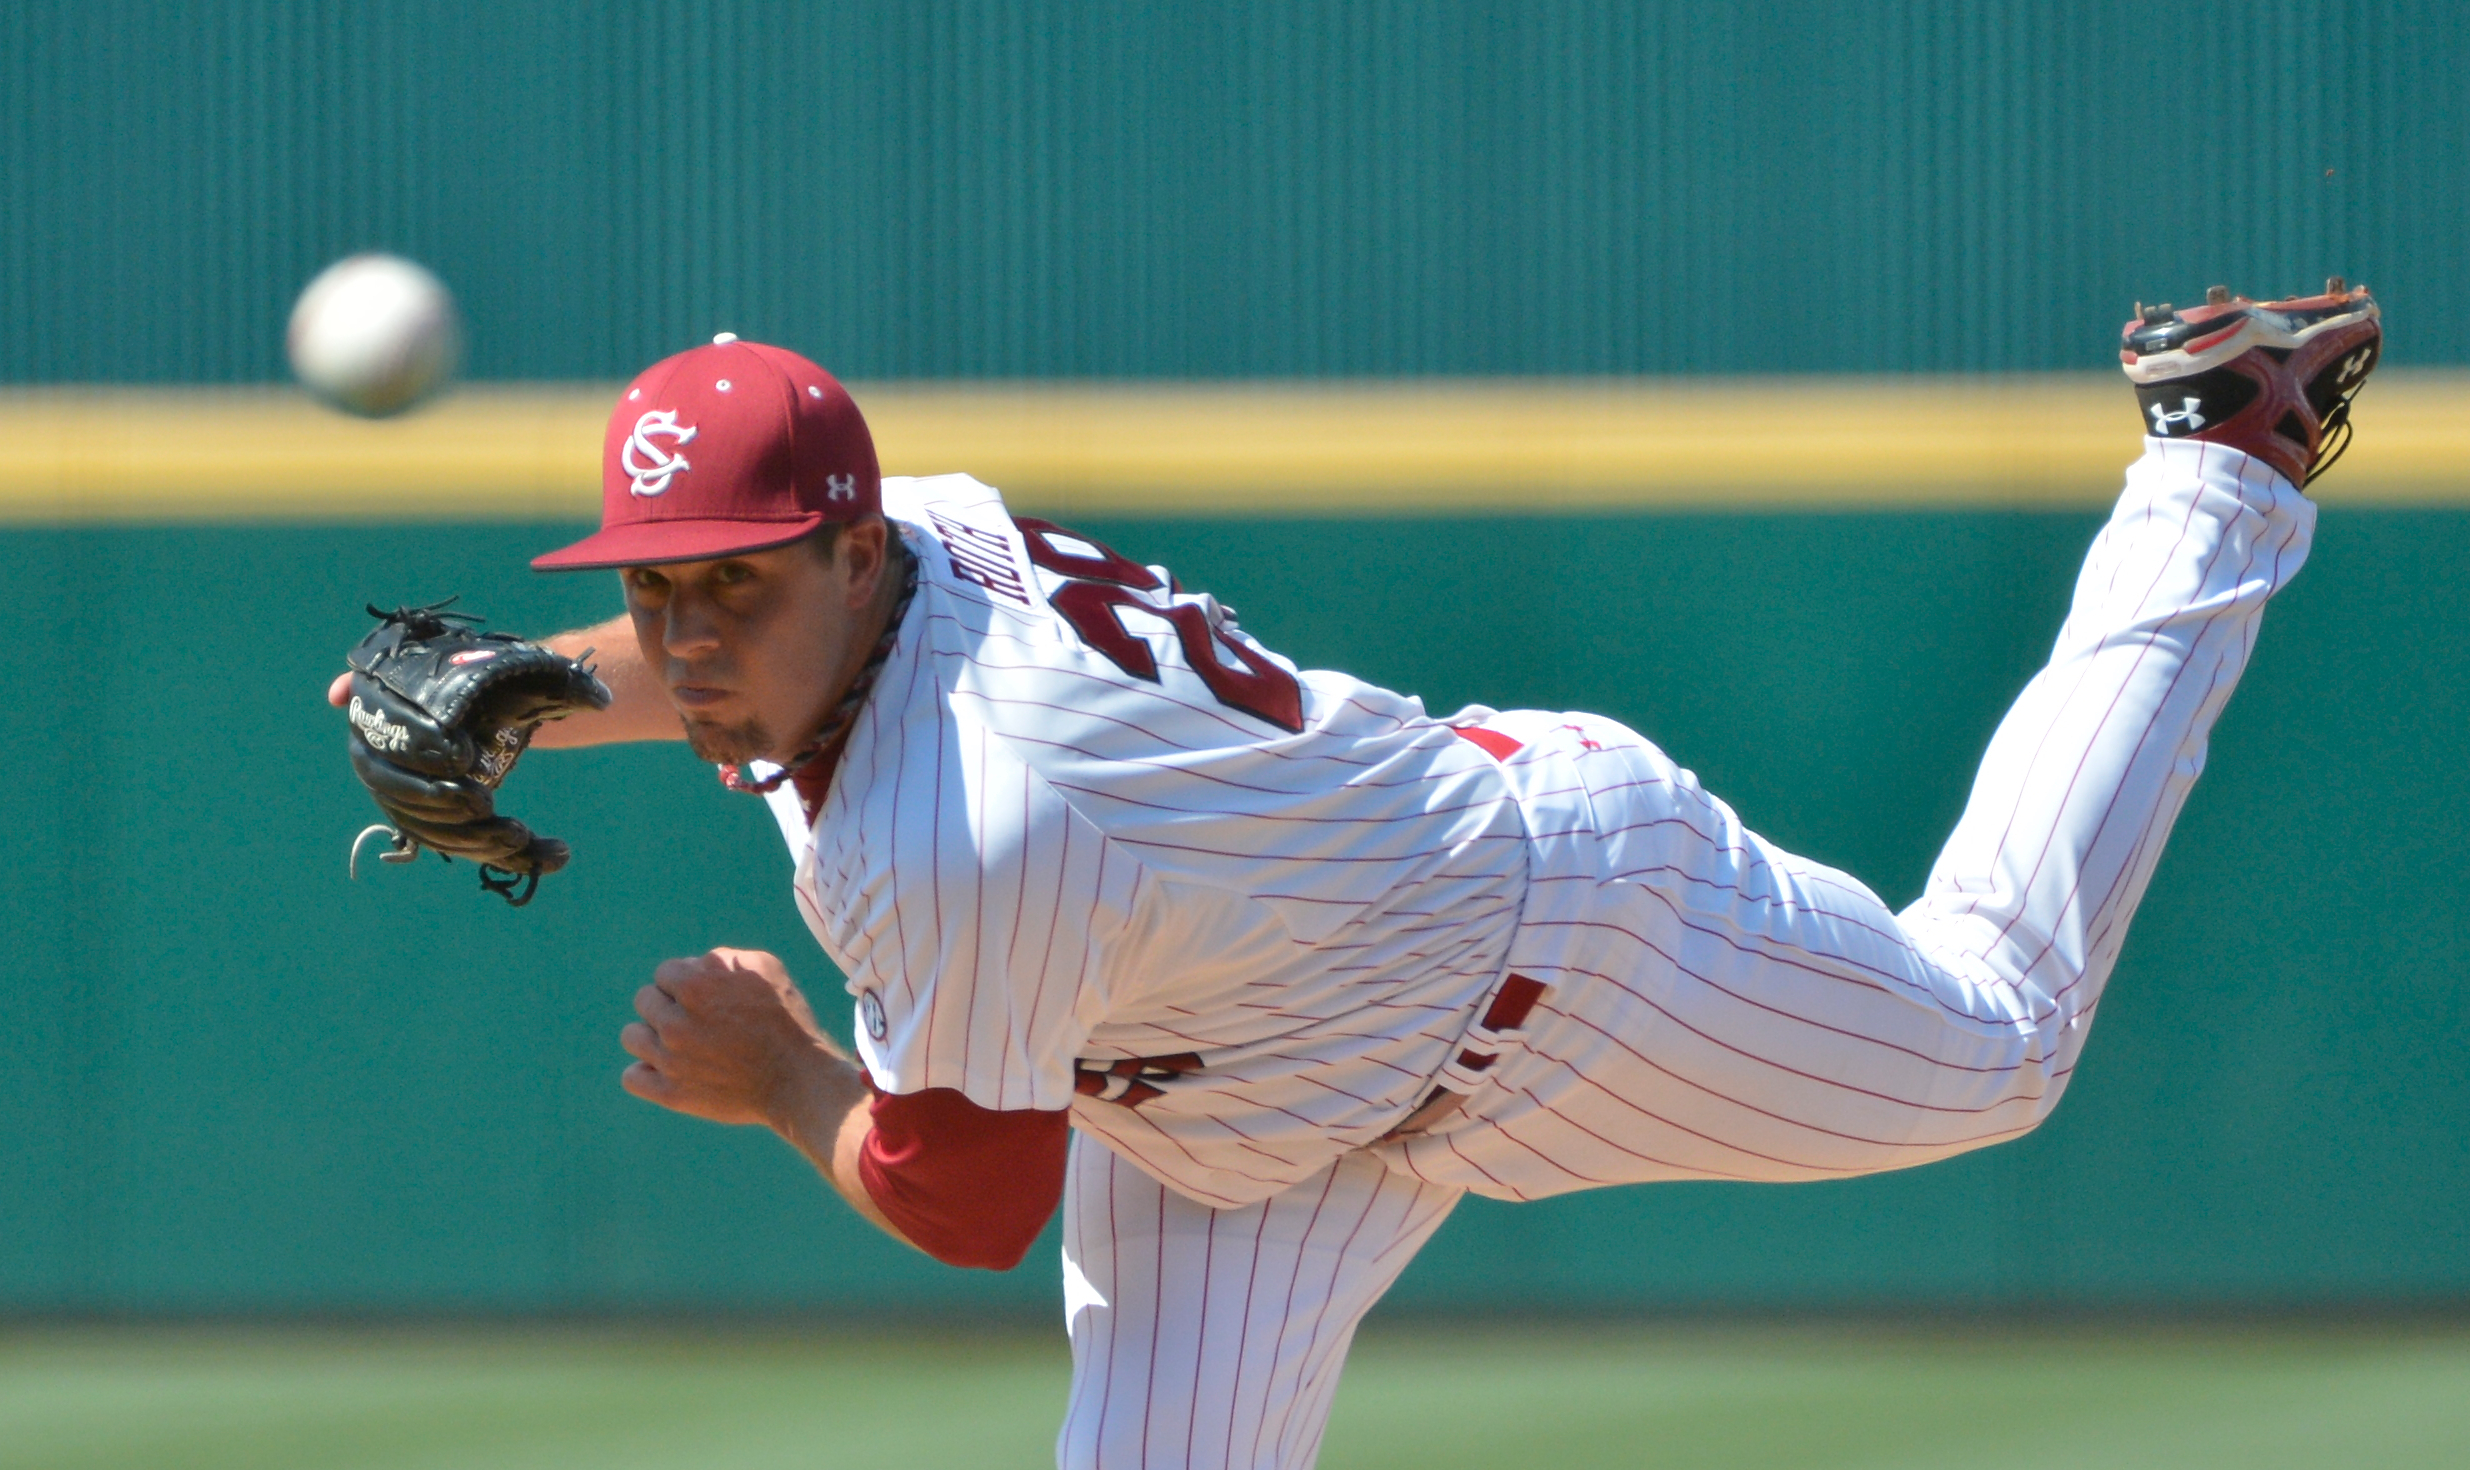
(724, 449)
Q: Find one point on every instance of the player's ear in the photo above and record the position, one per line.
(860, 549)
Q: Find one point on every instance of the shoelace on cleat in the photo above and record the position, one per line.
(2334, 435)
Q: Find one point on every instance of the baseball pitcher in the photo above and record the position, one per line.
(1256, 970)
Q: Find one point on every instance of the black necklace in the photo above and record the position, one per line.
(847, 709)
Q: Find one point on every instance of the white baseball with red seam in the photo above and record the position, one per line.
(374, 334)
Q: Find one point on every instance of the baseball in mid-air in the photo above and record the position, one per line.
(374, 334)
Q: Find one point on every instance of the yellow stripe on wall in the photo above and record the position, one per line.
(1523, 445)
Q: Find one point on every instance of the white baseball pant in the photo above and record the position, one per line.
(1719, 1008)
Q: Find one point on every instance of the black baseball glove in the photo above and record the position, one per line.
(439, 711)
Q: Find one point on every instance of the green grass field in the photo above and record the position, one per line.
(1758, 1398)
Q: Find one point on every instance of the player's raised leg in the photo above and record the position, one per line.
(1214, 1338)
(2088, 771)
(1720, 1008)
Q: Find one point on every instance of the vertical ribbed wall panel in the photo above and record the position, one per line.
(1000, 187)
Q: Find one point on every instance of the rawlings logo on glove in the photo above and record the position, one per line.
(381, 733)
(439, 713)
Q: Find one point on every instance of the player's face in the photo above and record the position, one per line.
(755, 649)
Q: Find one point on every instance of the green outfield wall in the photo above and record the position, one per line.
(1098, 188)
(234, 1080)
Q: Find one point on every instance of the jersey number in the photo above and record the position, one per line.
(1107, 580)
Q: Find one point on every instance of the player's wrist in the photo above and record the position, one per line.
(811, 1089)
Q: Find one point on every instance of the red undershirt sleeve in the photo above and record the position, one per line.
(968, 1185)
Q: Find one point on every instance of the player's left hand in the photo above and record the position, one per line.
(728, 1037)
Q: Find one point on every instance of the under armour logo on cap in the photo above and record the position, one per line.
(841, 487)
(651, 466)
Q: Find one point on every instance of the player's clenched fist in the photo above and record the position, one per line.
(724, 1036)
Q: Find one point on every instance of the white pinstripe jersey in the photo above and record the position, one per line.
(1083, 820)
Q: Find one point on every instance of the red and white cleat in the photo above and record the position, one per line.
(2272, 378)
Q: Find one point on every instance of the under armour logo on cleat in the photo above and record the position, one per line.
(2350, 365)
(2187, 418)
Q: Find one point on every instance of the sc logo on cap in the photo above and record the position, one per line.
(649, 466)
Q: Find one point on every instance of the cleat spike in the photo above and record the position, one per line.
(2155, 315)
(2335, 286)
(2216, 296)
